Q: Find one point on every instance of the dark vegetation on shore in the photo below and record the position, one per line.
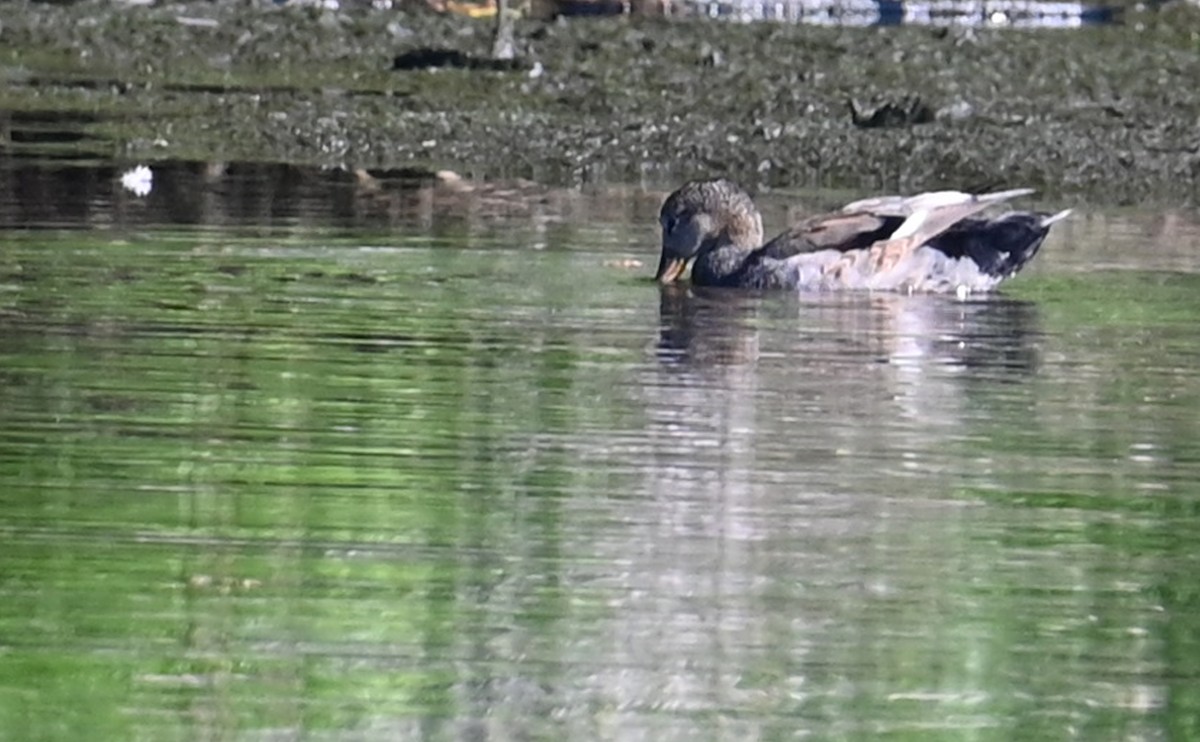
(1107, 115)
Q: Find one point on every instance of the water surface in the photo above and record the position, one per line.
(288, 454)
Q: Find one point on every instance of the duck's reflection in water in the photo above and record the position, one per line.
(804, 452)
(707, 327)
(801, 378)
(702, 328)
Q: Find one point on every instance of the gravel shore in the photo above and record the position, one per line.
(1106, 115)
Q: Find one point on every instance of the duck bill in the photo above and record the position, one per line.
(670, 269)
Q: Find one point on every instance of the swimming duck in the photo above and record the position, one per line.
(931, 242)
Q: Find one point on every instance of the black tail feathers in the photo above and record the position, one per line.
(999, 246)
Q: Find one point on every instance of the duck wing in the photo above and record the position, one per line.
(907, 205)
(837, 231)
(871, 244)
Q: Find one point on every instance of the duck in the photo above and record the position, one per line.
(933, 242)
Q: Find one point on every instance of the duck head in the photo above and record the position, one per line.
(704, 215)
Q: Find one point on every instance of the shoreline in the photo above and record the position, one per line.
(1103, 115)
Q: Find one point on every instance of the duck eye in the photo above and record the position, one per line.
(668, 224)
